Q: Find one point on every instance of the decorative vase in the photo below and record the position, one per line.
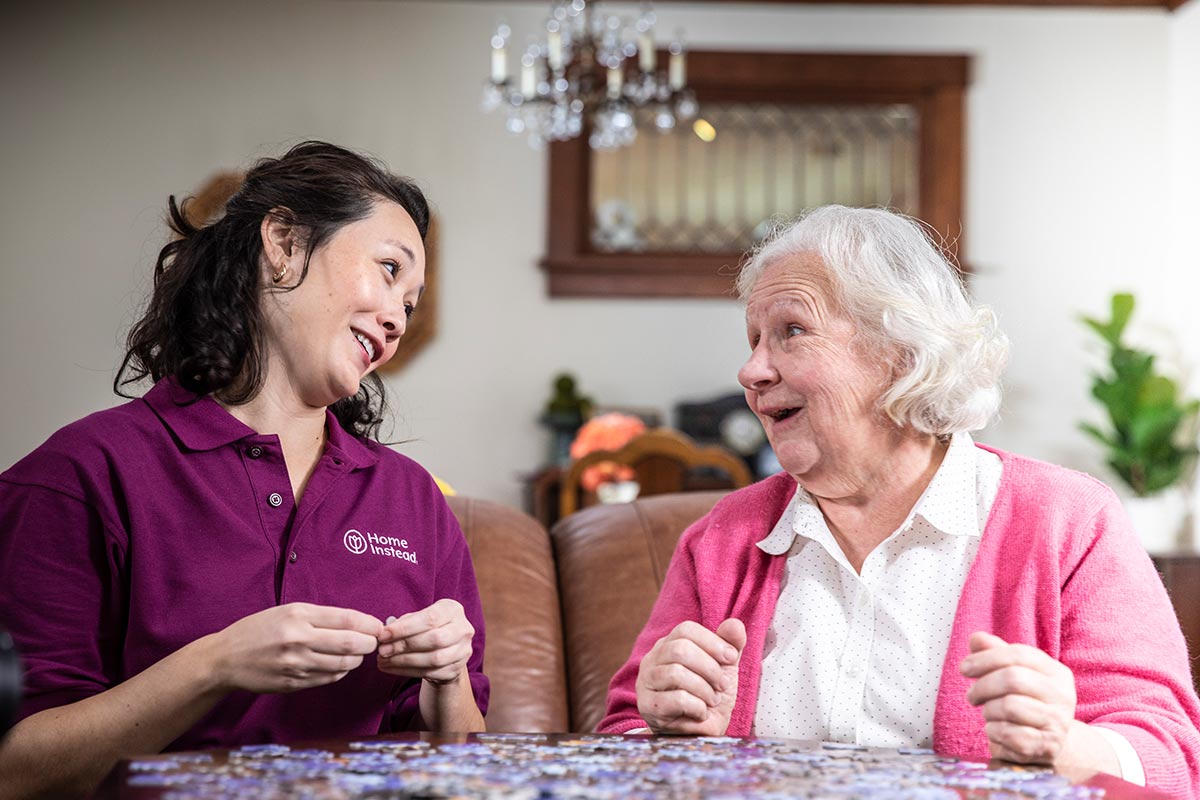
(1158, 519)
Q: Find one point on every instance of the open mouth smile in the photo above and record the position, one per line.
(369, 346)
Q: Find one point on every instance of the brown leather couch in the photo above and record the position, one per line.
(563, 608)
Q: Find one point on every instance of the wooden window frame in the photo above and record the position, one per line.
(934, 84)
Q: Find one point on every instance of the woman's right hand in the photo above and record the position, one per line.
(688, 681)
(291, 647)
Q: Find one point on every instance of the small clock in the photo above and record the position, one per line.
(741, 432)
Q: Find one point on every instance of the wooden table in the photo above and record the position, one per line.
(536, 765)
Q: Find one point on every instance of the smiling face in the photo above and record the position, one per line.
(809, 382)
(345, 319)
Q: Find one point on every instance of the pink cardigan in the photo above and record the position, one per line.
(1058, 567)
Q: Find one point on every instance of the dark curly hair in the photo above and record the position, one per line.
(203, 324)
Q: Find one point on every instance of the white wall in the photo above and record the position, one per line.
(1081, 123)
(1183, 258)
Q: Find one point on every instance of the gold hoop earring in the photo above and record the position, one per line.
(276, 277)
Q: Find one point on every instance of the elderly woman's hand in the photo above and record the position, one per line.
(1028, 700)
(688, 681)
(433, 644)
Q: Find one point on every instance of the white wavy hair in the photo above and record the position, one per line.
(905, 298)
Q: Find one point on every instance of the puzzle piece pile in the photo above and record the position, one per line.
(537, 767)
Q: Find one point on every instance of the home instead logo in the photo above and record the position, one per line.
(393, 546)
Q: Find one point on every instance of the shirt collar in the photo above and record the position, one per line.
(802, 517)
(951, 503)
(200, 423)
(948, 503)
(346, 445)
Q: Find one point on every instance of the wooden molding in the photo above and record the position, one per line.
(1167, 4)
(935, 84)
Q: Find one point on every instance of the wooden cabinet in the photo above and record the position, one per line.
(1181, 576)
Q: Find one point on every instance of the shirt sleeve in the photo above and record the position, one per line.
(1127, 757)
(678, 601)
(62, 595)
(455, 580)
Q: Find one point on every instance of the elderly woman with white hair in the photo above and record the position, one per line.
(898, 584)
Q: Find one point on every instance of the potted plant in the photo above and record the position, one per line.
(1150, 438)
(564, 413)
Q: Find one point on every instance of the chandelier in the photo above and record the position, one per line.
(591, 72)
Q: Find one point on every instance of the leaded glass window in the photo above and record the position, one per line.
(676, 192)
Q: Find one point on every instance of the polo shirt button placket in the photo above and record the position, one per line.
(276, 499)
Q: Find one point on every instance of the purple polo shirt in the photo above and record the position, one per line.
(141, 528)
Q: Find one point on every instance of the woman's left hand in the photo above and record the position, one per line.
(1028, 700)
(433, 644)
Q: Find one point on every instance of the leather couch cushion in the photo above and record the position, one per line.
(611, 563)
(523, 654)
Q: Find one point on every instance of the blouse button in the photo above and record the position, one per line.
(256, 452)
(276, 499)
(292, 557)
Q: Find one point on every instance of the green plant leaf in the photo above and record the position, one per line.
(1120, 399)
(1158, 391)
(1161, 476)
(1097, 434)
(1122, 310)
(1153, 429)
(1111, 331)
(1131, 365)
(1104, 329)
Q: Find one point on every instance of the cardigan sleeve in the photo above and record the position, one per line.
(678, 601)
(1122, 641)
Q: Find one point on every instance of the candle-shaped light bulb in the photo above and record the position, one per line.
(528, 76)
(615, 79)
(646, 54)
(554, 45)
(645, 42)
(499, 59)
(677, 67)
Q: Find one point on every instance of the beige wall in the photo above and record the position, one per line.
(1081, 149)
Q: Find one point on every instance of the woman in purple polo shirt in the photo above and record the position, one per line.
(209, 564)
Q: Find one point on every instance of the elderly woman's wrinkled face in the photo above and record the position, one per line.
(809, 381)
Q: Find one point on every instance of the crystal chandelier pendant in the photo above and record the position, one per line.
(588, 72)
